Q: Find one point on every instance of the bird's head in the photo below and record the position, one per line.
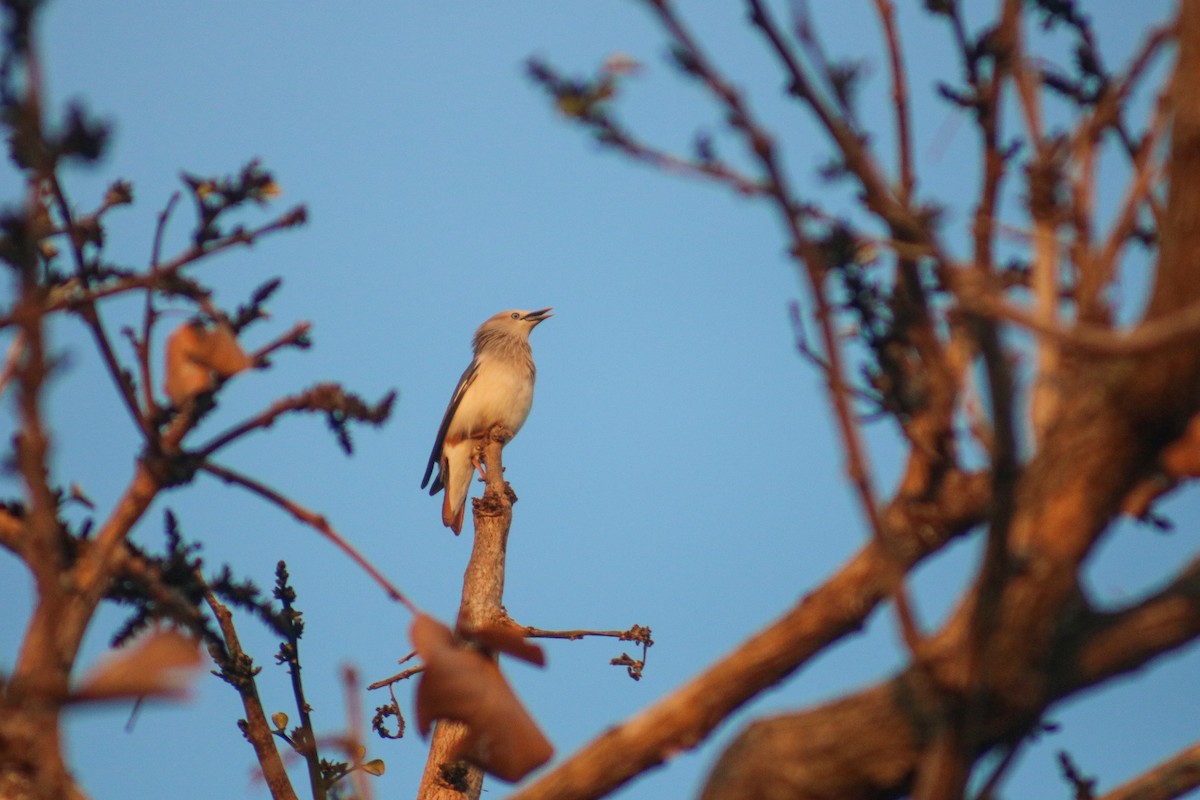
(514, 323)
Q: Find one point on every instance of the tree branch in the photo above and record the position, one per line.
(482, 604)
(839, 607)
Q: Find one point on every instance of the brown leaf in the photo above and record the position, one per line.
(509, 639)
(222, 353)
(197, 355)
(159, 664)
(185, 377)
(463, 684)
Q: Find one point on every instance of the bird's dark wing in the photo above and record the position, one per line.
(464, 382)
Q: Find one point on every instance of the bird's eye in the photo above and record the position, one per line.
(515, 315)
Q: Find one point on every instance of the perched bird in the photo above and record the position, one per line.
(496, 389)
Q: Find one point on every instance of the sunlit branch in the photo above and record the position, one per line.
(315, 521)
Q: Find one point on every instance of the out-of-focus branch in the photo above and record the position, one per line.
(1175, 777)
(325, 397)
(859, 161)
(1115, 643)
(315, 521)
(166, 276)
(149, 313)
(1139, 191)
(255, 727)
(887, 18)
(10, 361)
(1149, 336)
(837, 608)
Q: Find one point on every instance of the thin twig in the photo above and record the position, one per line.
(158, 279)
(1139, 190)
(313, 520)
(575, 635)
(399, 676)
(257, 731)
(292, 338)
(15, 347)
(304, 401)
(353, 739)
(988, 790)
(808, 252)
(149, 313)
(887, 18)
(667, 162)
(91, 315)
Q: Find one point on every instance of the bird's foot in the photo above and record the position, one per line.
(478, 464)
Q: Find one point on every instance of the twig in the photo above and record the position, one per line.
(313, 520)
(807, 251)
(1146, 168)
(289, 654)
(159, 278)
(91, 315)
(878, 197)
(713, 170)
(290, 339)
(149, 314)
(353, 740)
(310, 400)
(988, 790)
(256, 730)
(1083, 786)
(638, 633)
(817, 360)
(10, 360)
(887, 18)
(1043, 205)
(399, 676)
(575, 635)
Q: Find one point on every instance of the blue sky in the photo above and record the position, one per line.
(680, 468)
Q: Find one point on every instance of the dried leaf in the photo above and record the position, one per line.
(185, 378)
(222, 353)
(160, 664)
(374, 767)
(463, 684)
(619, 63)
(508, 639)
(197, 355)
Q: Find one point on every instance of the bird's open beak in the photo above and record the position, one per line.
(539, 316)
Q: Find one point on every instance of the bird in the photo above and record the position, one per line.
(496, 389)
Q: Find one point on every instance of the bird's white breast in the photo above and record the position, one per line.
(502, 393)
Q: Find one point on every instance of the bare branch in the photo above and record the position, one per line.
(255, 727)
(838, 607)
(314, 521)
(1172, 778)
(887, 18)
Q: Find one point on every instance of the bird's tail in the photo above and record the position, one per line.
(456, 473)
